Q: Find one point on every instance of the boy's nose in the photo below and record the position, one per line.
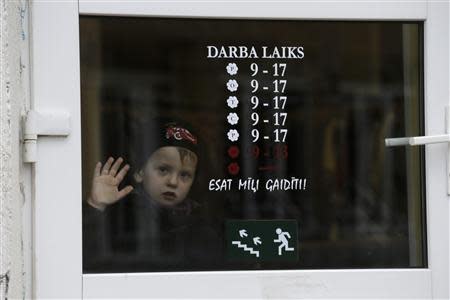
(172, 180)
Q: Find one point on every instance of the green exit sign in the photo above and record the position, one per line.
(262, 240)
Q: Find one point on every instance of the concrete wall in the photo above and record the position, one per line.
(15, 206)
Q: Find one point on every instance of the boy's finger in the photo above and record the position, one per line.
(121, 175)
(107, 166)
(97, 169)
(125, 191)
(115, 167)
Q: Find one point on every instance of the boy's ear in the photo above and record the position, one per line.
(139, 176)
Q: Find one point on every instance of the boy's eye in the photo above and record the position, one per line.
(186, 175)
(163, 170)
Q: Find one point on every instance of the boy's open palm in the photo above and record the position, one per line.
(105, 183)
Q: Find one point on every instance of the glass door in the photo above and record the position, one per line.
(243, 154)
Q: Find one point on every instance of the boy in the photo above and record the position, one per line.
(152, 221)
(167, 167)
(166, 177)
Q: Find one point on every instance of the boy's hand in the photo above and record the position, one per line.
(105, 183)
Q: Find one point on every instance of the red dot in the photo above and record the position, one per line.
(233, 151)
(233, 168)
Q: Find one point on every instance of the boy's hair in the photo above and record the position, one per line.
(185, 153)
(146, 138)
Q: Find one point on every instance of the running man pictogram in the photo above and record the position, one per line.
(283, 237)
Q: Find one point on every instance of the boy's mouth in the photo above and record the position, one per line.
(169, 195)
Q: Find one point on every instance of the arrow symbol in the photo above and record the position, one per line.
(243, 233)
(257, 240)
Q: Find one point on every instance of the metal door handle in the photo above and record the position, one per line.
(418, 140)
(426, 140)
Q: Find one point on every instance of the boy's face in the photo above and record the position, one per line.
(166, 177)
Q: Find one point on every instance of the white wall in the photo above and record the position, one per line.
(15, 206)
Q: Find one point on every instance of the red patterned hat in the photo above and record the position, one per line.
(161, 132)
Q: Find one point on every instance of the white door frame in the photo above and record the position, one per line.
(55, 86)
(57, 174)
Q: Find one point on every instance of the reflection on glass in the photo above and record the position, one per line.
(169, 127)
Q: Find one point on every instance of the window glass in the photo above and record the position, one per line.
(215, 144)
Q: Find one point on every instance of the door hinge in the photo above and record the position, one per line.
(428, 139)
(40, 123)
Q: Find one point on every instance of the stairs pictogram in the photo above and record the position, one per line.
(246, 248)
